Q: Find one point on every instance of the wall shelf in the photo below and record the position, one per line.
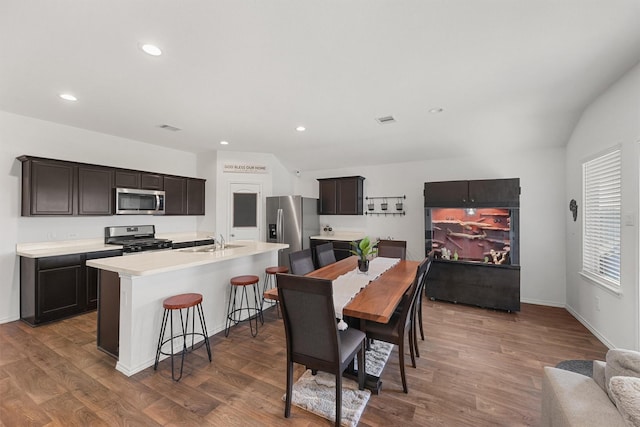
(384, 205)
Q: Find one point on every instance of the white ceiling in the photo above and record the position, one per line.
(510, 74)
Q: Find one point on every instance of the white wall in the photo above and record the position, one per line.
(21, 135)
(612, 119)
(543, 208)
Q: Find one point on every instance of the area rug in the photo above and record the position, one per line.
(584, 367)
(317, 393)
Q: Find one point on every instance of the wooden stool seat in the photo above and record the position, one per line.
(276, 270)
(192, 303)
(244, 280)
(270, 282)
(235, 309)
(178, 302)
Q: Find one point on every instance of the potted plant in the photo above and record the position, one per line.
(364, 250)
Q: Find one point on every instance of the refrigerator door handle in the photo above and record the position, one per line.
(279, 227)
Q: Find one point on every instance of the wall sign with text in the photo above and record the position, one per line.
(244, 168)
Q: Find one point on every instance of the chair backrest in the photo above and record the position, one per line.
(392, 249)
(309, 321)
(301, 262)
(410, 298)
(325, 254)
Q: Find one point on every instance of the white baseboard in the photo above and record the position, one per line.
(587, 325)
(542, 302)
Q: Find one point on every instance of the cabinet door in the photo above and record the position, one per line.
(92, 276)
(48, 187)
(328, 197)
(127, 179)
(195, 196)
(95, 190)
(60, 289)
(451, 194)
(151, 181)
(350, 196)
(495, 192)
(175, 202)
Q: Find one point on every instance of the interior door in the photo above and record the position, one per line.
(245, 211)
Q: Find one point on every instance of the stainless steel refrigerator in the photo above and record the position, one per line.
(292, 220)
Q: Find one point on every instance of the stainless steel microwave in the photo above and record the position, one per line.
(132, 201)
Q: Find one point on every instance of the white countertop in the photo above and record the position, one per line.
(341, 235)
(169, 260)
(69, 247)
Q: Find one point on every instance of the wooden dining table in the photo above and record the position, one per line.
(376, 302)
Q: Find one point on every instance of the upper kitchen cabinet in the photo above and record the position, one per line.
(184, 196)
(95, 190)
(195, 196)
(175, 202)
(48, 187)
(136, 179)
(151, 181)
(478, 193)
(341, 196)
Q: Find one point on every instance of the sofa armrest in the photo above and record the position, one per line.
(598, 374)
(572, 399)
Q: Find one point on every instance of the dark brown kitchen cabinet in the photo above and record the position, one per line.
(60, 188)
(92, 276)
(95, 190)
(48, 187)
(127, 179)
(341, 196)
(195, 196)
(341, 248)
(51, 288)
(55, 287)
(175, 189)
(477, 193)
(151, 181)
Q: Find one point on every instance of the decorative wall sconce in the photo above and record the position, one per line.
(573, 207)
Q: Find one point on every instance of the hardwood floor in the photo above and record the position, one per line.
(477, 368)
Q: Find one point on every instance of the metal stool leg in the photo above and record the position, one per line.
(162, 329)
(231, 307)
(205, 333)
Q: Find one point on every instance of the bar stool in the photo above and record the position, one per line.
(182, 302)
(234, 313)
(270, 281)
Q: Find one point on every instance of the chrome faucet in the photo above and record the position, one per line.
(221, 242)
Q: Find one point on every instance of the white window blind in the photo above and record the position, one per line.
(601, 231)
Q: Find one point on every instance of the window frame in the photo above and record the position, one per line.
(593, 235)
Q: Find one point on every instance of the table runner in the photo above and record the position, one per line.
(345, 287)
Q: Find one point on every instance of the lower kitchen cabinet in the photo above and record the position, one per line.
(52, 288)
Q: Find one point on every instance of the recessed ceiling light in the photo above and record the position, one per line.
(151, 49)
(224, 142)
(436, 110)
(301, 128)
(68, 97)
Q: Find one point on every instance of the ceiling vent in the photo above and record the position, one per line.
(169, 127)
(386, 120)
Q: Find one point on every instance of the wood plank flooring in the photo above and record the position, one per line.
(477, 367)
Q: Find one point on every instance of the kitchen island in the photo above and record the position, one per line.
(133, 287)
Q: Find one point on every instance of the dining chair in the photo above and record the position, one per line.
(312, 334)
(325, 254)
(301, 262)
(392, 249)
(401, 322)
(416, 322)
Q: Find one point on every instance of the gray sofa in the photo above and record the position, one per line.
(610, 398)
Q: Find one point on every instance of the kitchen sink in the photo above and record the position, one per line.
(210, 248)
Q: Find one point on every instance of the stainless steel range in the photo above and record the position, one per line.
(135, 238)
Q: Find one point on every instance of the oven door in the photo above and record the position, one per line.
(132, 201)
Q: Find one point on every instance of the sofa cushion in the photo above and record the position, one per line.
(571, 399)
(621, 362)
(625, 392)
